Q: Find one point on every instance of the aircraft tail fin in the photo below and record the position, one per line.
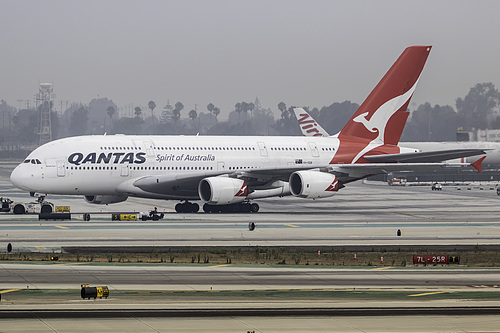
(383, 115)
(308, 125)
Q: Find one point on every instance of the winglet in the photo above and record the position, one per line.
(478, 164)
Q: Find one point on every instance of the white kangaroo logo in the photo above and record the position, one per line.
(379, 119)
(362, 119)
(381, 116)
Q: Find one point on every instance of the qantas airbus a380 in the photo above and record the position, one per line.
(227, 172)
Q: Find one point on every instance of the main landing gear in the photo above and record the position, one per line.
(187, 207)
(242, 207)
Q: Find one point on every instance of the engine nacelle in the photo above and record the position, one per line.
(313, 184)
(105, 199)
(222, 190)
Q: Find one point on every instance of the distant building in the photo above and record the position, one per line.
(489, 135)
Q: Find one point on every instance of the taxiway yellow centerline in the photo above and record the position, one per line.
(433, 293)
(8, 290)
(411, 215)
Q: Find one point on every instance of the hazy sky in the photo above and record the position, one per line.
(305, 53)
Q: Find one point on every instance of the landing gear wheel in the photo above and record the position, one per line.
(243, 207)
(19, 209)
(46, 209)
(187, 207)
(251, 226)
(179, 208)
(86, 217)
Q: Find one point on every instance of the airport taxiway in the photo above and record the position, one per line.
(361, 214)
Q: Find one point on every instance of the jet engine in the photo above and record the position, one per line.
(222, 190)
(105, 199)
(313, 184)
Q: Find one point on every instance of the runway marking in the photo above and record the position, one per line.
(411, 215)
(292, 225)
(8, 290)
(380, 268)
(218, 266)
(460, 289)
(41, 247)
(434, 293)
(61, 227)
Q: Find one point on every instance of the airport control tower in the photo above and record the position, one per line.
(44, 102)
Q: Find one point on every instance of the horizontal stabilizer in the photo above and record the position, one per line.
(478, 165)
(426, 156)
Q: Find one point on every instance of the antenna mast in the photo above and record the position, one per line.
(44, 101)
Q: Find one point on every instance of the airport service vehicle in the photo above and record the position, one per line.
(6, 203)
(436, 187)
(34, 207)
(226, 172)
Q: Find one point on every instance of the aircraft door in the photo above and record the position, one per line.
(61, 169)
(263, 149)
(314, 149)
(124, 170)
(149, 146)
(221, 166)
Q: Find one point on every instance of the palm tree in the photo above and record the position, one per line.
(110, 111)
(177, 111)
(216, 112)
(152, 106)
(238, 108)
(210, 108)
(137, 112)
(193, 114)
(284, 112)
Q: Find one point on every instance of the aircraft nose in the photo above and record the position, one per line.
(18, 178)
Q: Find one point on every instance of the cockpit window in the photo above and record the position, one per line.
(38, 161)
(33, 161)
(27, 161)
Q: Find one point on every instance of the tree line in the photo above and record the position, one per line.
(479, 109)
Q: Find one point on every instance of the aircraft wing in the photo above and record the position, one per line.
(426, 156)
(349, 172)
(187, 184)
